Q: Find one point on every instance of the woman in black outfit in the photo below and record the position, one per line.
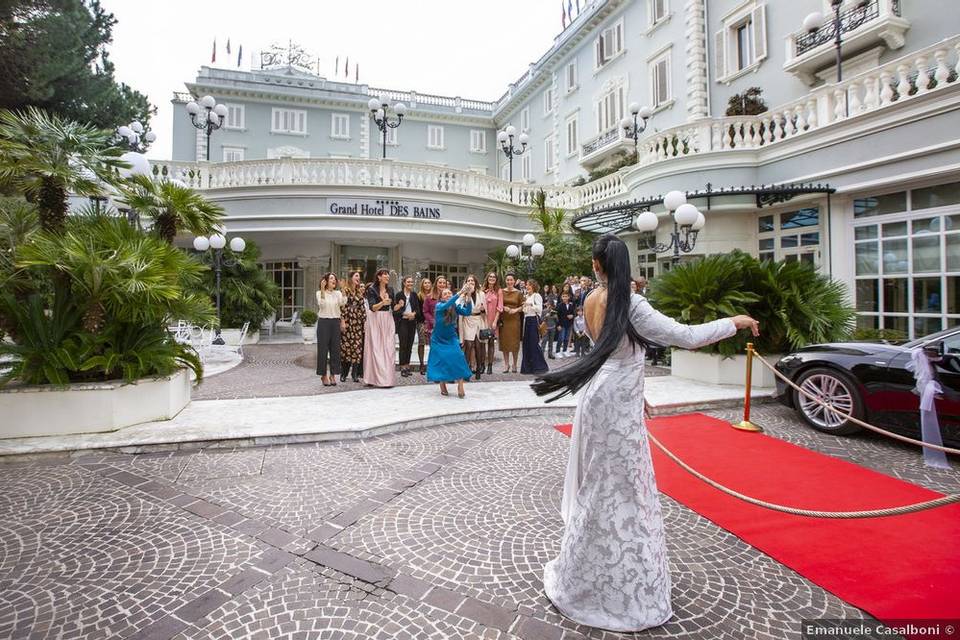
(407, 312)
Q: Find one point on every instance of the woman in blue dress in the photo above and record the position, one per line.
(446, 362)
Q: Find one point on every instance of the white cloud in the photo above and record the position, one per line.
(448, 47)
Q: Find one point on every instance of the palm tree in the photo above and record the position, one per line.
(173, 206)
(499, 262)
(47, 158)
(550, 221)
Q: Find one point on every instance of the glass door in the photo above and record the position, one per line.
(366, 260)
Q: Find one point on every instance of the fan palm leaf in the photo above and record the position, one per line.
(173, 207)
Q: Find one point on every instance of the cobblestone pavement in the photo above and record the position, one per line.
(436, 533)
(274, 370)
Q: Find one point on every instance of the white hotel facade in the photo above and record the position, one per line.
(297, 165)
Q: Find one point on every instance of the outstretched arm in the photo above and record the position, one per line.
(661, 329)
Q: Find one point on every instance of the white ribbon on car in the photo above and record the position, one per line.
(929, 389)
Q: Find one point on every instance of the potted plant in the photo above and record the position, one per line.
(795, 305)
(308, 325)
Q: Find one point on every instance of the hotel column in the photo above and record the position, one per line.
(696, 50)
(313, 269)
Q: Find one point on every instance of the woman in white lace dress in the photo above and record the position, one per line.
(612, 570)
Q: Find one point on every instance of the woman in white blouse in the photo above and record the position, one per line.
(330, 301)
(532, 359)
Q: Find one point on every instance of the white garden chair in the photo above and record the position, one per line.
(233, 348)
(293, 322)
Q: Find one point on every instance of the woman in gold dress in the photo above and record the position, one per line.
(510, 321)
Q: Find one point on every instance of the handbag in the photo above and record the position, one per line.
(485, 334)
(542, 328)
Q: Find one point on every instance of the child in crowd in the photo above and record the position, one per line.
(581, 341)
(549, 317)
(566, 312)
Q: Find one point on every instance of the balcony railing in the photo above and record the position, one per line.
(594, 149)
(929, 70)
(381, 174)
(852, 18)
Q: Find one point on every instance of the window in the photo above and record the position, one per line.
(288, 275)
(791, 236)
(573, 137)
(660, 89)
(456, 274)
(610, 110)
(571, 76)
(525, 120)
(289, 121)
(907, 261)
(391, 137)
(742, 42)
(434, 137)
(234, 116)
(478, 141)
(646, 260)
(526, 166)
(609, 44)
(232, 154)
(658, 11)
(340, 126)
(549, 155)
(548, 101)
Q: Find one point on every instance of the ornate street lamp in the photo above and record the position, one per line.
(380, 112)
(207, 116)
(687, 223)
(135, 133)
(216, 243)
(505, 138)
(535, 251)
(634, 127)
(848, 21)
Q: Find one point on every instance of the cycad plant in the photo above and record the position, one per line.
(795, 305)
(550, 221)
(46, 158)
(173, 207)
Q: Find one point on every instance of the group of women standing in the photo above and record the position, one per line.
(358, 326)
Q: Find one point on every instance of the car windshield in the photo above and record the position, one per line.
(933, 336)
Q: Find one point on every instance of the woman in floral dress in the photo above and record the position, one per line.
(353, 315)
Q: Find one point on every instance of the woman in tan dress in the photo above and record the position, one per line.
(470, 326)
(510, 321)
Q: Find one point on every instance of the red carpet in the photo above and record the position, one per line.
(896, 567)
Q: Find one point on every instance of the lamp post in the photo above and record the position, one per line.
(135, 133)
(217, 242)
(687, 223)
(634, 127)
(380, 112)
(505, 138)
(207, 116)
(535, 251)
(853, 19)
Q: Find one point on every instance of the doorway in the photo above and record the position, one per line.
(366, 260)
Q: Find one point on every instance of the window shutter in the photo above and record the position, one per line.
(598, 54)
(619, 32)
(720, 54)
(759, 32)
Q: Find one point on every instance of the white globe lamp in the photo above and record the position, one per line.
(124, 131)
(139, 165)
(529, 239)
(536, 250)
(686, 215)
(400, 108)
(513, 251)
(700, 223)
(645, 112)
(237, 245)
(217, 241)
(813, 22)
(201, 243)
(626, 123)
(373, 104)
(673, 200)
(221, 110)
(646, 221)
(511, 130)
(207, 102)
(524, 139)
(193, 108)
(136, 126)
(150, 137)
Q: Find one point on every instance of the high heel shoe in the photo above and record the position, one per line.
(476, 374)
(443, 390)
(343, 376)
(423, 369)
(490, 369)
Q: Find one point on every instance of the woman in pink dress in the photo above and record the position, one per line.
(493, 297)
(428, 303)
(379, 351)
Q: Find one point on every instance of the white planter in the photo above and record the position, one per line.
(232, 336)
(714, 369)
(309, 333)
(91, 408)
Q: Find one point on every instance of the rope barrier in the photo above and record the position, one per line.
(746, 425)
(850, 417)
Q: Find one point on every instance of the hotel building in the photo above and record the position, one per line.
(298, 167)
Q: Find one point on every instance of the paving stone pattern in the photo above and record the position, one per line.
(276, 370)
(434, 533)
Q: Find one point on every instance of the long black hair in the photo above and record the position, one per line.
(614, 259)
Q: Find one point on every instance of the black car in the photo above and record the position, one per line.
(872, 382)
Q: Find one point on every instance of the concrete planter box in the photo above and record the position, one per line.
(714, 369)
(309, 333)
(232, 336)
(91, 408)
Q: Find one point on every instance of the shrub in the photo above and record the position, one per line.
(879, 335)
(308, 317)
(795, 305)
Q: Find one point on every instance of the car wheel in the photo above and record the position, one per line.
(837, 390)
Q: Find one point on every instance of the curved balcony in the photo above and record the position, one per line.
(382, 174)
(831, 109)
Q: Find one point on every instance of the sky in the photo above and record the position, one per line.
(470, 48)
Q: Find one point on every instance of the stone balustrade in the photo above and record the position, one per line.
(935, 68)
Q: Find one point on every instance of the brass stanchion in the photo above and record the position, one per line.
(745, 424)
